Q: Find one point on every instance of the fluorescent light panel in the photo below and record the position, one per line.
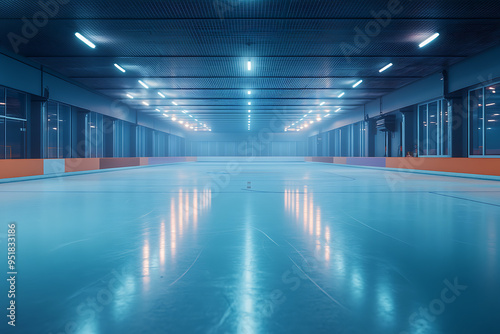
(85, 40)
(120, 68)
(143, 84)
(357, 84)
(428, 40)
(385, 67)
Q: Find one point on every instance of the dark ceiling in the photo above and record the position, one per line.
(196, 52)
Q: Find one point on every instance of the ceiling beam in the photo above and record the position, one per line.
(351, 18)
(251, 56)
(252, 77)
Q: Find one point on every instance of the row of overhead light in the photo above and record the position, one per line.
(297, 126)
(304, 123)
(190, 123)
(187, 120)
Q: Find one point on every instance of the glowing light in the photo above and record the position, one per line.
(143, 84)
(130, 96)
(357, 84)
(160, 93)
(85, 40)
(341, 94)
(120, 68)
(385, 67)
(428, 40)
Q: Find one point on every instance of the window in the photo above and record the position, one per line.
(433, 129)
(15, 138)
(16, 104)
(58, 137)
(12, 124)
(344, 141)
(484, 121)
(476, 121)
(141, 141)
(93, 135)
(356, 139)
(492, 120)
(2, 138)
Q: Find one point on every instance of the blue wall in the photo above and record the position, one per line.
(242, 144)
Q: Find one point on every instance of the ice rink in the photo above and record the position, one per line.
(255, 248)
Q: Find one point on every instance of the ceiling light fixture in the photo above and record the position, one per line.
(143, 84)
(160, 93)
(428, 40)
(357, 84)
(130, 96)
(249, 65)
(341, 94)
(322, 103)
(85, 40)
(120, 68)
(385, 67)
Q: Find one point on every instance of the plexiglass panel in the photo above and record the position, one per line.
(492, 120)
(476, 121)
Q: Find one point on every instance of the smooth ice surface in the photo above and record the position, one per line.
(255, 248)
